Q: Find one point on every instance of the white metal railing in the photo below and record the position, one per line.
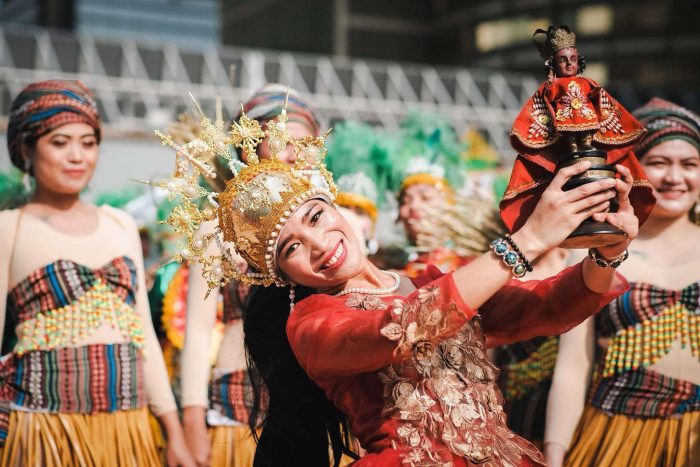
(134, 102)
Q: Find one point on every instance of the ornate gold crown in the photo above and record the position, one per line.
(555, 38)
(256, 203)
(562, 39)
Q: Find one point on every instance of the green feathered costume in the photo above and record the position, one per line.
(427, 151)
(358, 157)
(13, 194)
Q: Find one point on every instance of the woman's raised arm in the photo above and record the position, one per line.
(556, 215)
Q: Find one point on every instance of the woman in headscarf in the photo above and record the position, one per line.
(643, 404)
(84, 363)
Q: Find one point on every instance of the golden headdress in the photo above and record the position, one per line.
(256, 203)
(555, 38)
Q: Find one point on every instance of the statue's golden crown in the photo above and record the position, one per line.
(555, 38)
(255, 204)
(562, 39)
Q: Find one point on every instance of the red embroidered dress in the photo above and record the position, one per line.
(412, 375)
(443, 258)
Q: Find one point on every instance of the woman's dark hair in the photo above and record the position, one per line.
(301, 426)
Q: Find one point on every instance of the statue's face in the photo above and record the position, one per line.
(566, 62)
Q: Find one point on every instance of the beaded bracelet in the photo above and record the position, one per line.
(511, 242)
(603, 262)
(510, 257)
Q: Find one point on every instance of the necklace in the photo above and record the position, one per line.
(368, 291)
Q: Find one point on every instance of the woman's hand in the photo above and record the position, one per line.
(176, 454)
(554, 454)
(196, 434)
(624, 219)
(559, 212)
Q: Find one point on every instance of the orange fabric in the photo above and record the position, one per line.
(342, 347)
(537, 137)
(531, 176)
(573, 108)
(443, 258)
(555, 109)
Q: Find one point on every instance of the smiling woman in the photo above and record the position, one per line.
(84, 361)
(318, 247)
(403, 360)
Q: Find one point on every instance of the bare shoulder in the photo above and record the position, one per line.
(8, 214)
(8, 221)
(120, 216)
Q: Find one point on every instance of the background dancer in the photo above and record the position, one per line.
(85, 361)
(222, 398)
(642, 407)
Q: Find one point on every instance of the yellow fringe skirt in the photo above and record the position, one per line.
(232, 446)
(618, 440)
(122, 438)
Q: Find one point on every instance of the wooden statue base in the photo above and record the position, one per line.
(591, 234)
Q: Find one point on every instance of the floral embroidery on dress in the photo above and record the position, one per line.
(574, 102)
(444, 393)
(366, 302)
(610, 113)
(541, 125)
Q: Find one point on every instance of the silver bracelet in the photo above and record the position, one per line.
(603, 262)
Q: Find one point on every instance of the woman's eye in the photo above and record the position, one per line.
(59, 143)
(291, 249)
(316, 217)
(89, 144)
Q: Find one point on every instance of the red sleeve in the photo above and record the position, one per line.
(523, 310)
(329, 337)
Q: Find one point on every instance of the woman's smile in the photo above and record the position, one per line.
(335, 258)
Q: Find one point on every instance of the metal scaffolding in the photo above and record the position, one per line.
(141, 86)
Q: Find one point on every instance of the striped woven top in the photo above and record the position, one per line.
(643, 324)
(644, 302)
(63, 282)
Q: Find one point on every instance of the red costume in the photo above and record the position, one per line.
(567, 105)
(443, 258)
(411, 373)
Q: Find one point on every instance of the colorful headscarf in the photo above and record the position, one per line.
(44, 106)
(267, 103)
(665, 120)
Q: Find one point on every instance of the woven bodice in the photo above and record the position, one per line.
(643, 323)
(61, 303)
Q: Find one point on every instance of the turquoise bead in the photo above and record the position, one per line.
(511, 258)
(501, 248)
(519, 270)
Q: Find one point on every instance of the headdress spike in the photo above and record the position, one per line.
(196, 104)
